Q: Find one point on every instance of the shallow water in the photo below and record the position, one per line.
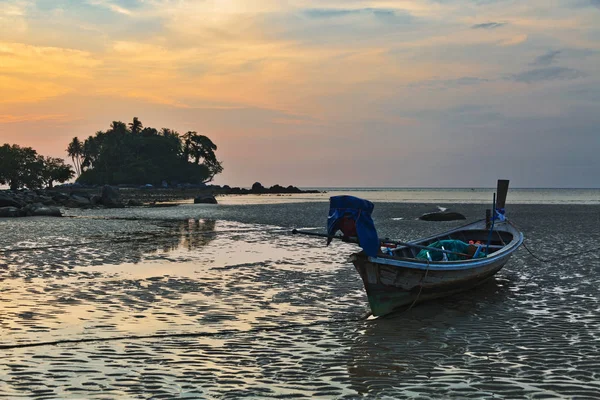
(276, 315)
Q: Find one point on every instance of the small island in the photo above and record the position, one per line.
(149, 165)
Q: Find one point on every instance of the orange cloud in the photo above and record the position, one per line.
(515, 40)
(11, 119)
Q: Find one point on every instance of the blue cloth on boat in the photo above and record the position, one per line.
(360, 211)
(500, 214)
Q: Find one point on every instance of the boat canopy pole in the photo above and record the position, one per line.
(487, 246)
(355, 240)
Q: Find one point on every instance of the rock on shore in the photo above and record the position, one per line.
(205, 200)
(47, 202)
(442, 216)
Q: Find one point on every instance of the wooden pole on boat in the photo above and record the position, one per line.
(355, 240)
(502, 191)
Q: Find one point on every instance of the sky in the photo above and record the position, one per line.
(353, 93)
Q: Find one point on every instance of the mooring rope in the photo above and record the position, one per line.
(420, 288)
(549, 260)
(183, 335)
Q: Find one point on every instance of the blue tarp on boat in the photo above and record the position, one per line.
(358, 210)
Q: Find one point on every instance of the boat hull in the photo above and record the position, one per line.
(392, 283)
(389, 288)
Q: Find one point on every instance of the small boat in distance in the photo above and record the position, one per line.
(396, 274)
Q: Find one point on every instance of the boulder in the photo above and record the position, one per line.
(111, 197)
(9, 201)
(134, 203)
(80, 201)
(44, 211)
(96, 200)
(442, 216)
(60, 197)
(10, 212)
(205, 200)
(47, 200)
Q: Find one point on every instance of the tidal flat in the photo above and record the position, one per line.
(202, 301)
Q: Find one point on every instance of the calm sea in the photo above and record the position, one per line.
(429, 195)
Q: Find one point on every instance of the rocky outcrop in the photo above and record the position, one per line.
(111, 198)
(258, 188)
(76, 201)
(8, 201)
(205, 200)
(10, 212)
(41, 210)
(442, 216)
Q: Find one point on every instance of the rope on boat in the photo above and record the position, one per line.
(548, 260)
(420, 288)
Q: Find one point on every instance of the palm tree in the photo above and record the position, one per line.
(75, 151)
(91, 149)
(187, 144)
(135, 126)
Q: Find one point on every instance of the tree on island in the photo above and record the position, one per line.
(23, 167)
(134, 154)
(199, 147)
(55, 170)
(75, 151)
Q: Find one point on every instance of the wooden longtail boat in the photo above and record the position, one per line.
(397, 274)
(404, 277)
(400, 279)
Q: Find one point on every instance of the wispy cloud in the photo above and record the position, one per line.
(488, 25)
(111, 6)
(451, 83)
(515, 40)
(383, 14)
(11, 119)
(546, 59)
(548, 74)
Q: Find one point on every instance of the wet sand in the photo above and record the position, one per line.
(272, 315)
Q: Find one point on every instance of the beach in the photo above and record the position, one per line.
(221, 301)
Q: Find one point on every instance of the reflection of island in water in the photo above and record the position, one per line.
(407, 351)
(97, 250)
(188, 235)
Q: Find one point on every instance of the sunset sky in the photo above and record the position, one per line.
(453, 93)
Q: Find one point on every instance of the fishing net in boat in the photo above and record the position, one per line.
(456, 246)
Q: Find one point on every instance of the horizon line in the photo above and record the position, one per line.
(437, 187)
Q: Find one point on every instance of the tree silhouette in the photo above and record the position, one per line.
(75, 151)
(199, 147)
(142, 155)
(20, 167)
(55, 169)
(136, 126)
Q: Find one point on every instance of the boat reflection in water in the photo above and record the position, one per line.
(431, 349)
